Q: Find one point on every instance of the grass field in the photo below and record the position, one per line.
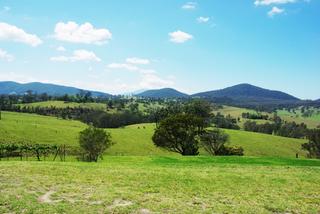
(312, 122)
(97, 106)
(162, 185)
(131, 140)
(62, 104)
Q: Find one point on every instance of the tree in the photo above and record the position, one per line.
(200, 108)
(179, 133)
(214, 142)
(94, 142)
(313, 146)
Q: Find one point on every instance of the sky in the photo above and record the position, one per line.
(120, 46)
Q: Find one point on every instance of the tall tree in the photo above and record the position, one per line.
(179, 133)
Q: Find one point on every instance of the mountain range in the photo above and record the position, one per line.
(9, 87)
(242, 93)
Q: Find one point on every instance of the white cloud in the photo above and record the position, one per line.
(78, 55)
(137, 61)
(275, 11)
(189, 6)
(85, 33)
(61, 48)
(149, 81)
(270, 2)
(5, 56)
(13, 33)
(179, 36)
(202, 19)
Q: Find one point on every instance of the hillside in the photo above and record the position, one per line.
(248, 93)
(163, 93)
(8, 87)
(131, 140)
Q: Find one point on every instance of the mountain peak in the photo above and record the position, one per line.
(163, 93)
(248, 93)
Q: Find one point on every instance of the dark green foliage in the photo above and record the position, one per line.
(200, 108)
(227, 122)
(94, 142)
(214, 142)
(257, 116)
(179, 133)
(252, 126)
(313, 146)
(293, 130)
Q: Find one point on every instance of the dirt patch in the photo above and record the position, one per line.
(120, 203)
(46, 197)
(144, 211)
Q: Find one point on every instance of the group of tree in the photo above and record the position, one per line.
(225, 122)
(255, 116)
(278, 127)
(184, 129)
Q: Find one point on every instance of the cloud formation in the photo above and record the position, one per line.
(275, 11)
(189, 6)
(12, 33)
(85, 33)
(179, 36)
(5, 56)
(137, 61)
(202, 19)
(270, 2)
(61, 48)
(78, 55)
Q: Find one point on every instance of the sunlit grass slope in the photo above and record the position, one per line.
(131, 140)
(162, 185)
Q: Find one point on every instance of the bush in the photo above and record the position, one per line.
(214, 142)
(94, 142)
(313, 146)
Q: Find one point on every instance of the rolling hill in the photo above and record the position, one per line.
(248, 93)
(163, 93)
(9, 87)
(131, 140)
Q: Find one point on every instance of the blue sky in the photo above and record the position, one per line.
(121, 46)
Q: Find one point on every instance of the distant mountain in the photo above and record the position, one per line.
(246, 93)
(162, 93)
(8, 87)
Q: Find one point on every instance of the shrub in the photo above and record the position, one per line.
(94, 142)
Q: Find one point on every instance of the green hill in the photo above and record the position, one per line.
(62, 104)
(9, 87)
(131, 140)
(163, 93)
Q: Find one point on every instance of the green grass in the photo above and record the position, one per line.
(312, 122)
(162, 185)
(38, 129)
(62, 104)
(131, 140)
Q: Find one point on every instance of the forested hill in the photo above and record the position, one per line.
(248, 93)
(9, 87)
(163, 93)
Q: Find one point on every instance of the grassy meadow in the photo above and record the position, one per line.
(134, 139)
(162, 185)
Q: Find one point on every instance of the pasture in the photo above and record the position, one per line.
(162, 185)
